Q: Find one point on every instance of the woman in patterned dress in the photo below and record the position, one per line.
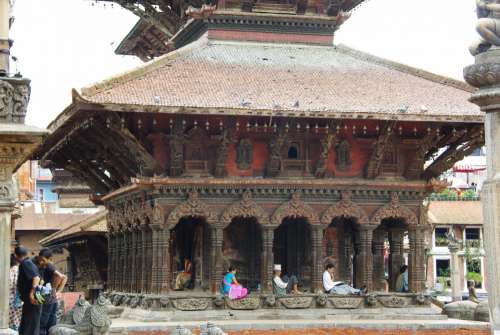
(15, 304)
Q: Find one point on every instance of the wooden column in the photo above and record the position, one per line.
(155, 283)
(160, 280)
(378, 260)
(133, 261)
(143, 260)
(267, 259)
(396, 257)
(124, 262)
(111, 260)
(364, 259)
(216, 270)
(317, 257)
(417, 259)
(342, 272)
(149, 260)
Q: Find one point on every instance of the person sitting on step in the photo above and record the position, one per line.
(333, 287)
(402, 280)
(184, 277)
(284, 285)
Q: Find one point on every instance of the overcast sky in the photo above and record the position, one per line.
(64, 44)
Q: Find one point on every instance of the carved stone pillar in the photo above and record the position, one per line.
(416, 262)
(456, 281)
(364, 258)
(133, 261)
(216, 270)
(396, 257)
(267, 259)
(485, 75)
(317, 257)
(378, 260)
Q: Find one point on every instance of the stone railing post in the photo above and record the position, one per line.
(456, 281)
(364, 258)
(216, 270)
(485, 75)
(267, 259)
(416, 259)
(378, 260)
(317, 257)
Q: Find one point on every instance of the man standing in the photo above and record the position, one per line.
(28, 280)
(57, 280)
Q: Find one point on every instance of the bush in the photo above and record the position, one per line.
(476, 277)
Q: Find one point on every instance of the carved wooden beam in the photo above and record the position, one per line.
(417, 160)
(373, 167)
(470, 141)
(444, 140)
(326, 145)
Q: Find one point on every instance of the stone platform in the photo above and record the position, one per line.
(310, 327)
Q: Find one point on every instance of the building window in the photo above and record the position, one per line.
(293, 152)
(440, 239)
(474, 272)
(473, 237)
(443, 272)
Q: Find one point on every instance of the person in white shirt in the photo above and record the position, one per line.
(285, 285)
(332, 287)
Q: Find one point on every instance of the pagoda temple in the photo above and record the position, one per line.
(248, 138)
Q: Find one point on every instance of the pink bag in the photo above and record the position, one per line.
(237, 292)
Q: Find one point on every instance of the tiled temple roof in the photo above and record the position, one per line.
(456, 212)
(246, 78)
(92, 225)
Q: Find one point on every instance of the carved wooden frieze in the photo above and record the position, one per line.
(248, 303)
(296, 302)
(345, 208)
(295, 208)
(395, 210)
(346, 302)
(192, 207)
(245, 208)
(191, 304)
(244, 154)
(321, 167)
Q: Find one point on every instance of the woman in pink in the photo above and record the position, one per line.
(15, 304)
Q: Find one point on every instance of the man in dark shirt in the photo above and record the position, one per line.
(28, 280)
(57, 280)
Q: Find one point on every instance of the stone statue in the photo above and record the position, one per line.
(488, 26)
(95, 321)
(75, 315)
(21, 98)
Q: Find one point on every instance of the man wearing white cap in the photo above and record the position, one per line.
(285, 285)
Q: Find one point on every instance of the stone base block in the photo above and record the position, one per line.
(7, 331)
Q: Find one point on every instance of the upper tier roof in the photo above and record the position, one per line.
(247, 78)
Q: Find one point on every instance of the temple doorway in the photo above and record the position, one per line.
(242, 249)
(189, 241)
(292, 249)
(338, 246)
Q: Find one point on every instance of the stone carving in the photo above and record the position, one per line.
(321, 300)
(117, 299)
(191, 207)
(245, 208)
(296, 302)
(270, 301)
(345, 208)
(393, 301)
(211, 329)
(6, 92)
(343, 159)
(164, 302)
(371, 300)
(244, 154)
(488, 26)
(146, 303)
(247, 303)
(421, 299)
(191, 304)
(219, 302)
(135, 301)
(95, 321)
(182, 331)
(326, 145)
(20, 98)
(483, 74)
(76, 314)
(294, 208)
(394, 210)
(346, 302)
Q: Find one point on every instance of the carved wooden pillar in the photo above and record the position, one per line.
(364, 259)
(317, 257)
(378, 260)
(160, 270)
(267, 259)
(133, 261)
(111, 260)
(396, 259)
(125, 261)
(417, 259)
(143, 260)
(216, 270)
(138, 260)
(342, 272)
(155, 283)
